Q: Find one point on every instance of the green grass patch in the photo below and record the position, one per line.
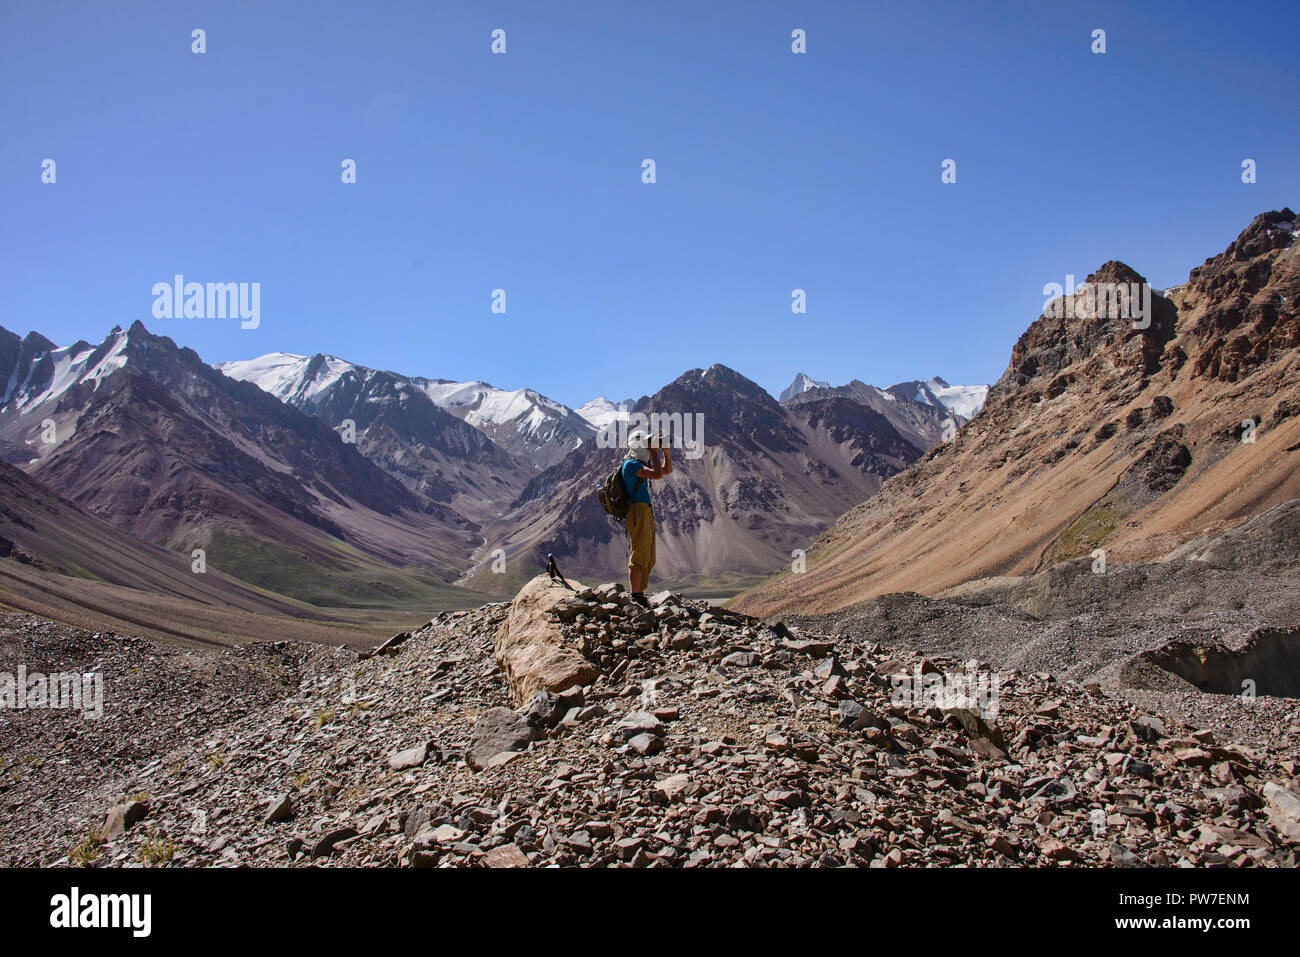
(340, 578)
(86, 851)
(155, 850)
(1087, 532)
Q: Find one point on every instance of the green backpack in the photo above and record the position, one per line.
(613, 494)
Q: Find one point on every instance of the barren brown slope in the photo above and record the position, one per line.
(1097, 436)
(60, 562)
(45, 532)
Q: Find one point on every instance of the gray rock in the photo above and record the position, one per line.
(1234, 797)
(1283, 810)
(817, 649)
(829, 667)
(683, 640)
(122, 817)
(325, 846)
(410, 758)
(1122, 857)
(573, 697)
(415, 822)
(280, 809)
(1056, 791)
(849, 713)
(545, 710)
(391, 646)
(496, 731)
(742, 817)
(1137, 768)
(975, 726)
(639, 722)
(646, 744)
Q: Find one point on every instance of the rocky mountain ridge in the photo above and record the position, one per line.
(768, 477)
(1101, 434)
(154, 441)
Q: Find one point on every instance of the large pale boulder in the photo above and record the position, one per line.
(1283, 810)
(530, 649)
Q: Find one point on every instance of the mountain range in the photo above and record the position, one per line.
(312, 486)
(336, 485)
(1107, 544)
(146, 436)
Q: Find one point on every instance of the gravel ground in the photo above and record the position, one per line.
(708, 739)
(1084, 626)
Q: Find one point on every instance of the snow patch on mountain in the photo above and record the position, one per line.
(274, 372)
(451, 395)
(520, 420)
(73, 365)
(963, 400)
(488, 408)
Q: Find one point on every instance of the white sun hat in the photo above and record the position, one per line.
(638, 443)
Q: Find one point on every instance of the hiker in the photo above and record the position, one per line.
(641, 465)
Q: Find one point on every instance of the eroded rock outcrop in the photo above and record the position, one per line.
(530, 648)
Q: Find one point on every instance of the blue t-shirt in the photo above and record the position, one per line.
(630, 468)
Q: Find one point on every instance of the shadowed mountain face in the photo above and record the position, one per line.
(156, 442)
(1099, 435)
(770, 477)
(399, 427)
(921, 411)
(17, 356)
(920, 423)
(451, 421)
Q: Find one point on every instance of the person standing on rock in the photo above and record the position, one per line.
(641, 465)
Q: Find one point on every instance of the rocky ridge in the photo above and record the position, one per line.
(1106, 431)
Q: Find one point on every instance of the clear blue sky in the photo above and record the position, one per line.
(523, 172)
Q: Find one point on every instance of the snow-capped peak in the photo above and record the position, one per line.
(600, 412)
(801, 383)
(298, 380)
(449, 395)
(519, 420)
(486, 407)
(67, 366)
